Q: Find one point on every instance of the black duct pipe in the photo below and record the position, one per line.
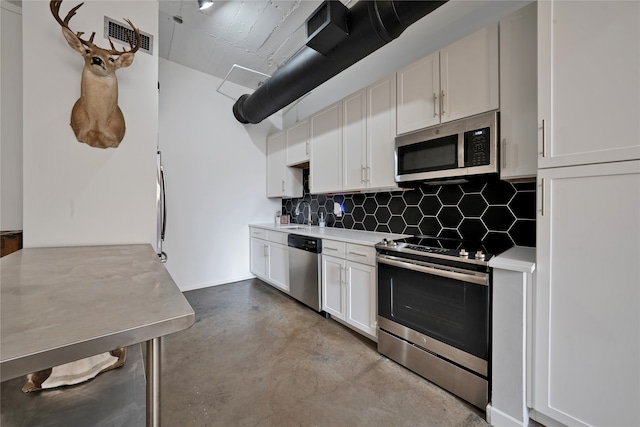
(371, 24)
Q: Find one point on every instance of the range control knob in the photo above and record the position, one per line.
(385, 242)
(393, 243)
(464, 253)
(479, 255)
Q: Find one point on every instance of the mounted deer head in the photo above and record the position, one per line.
(96, 118)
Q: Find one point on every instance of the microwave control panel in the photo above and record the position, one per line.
(477, 147)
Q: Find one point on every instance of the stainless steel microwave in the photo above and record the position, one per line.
(451, 150)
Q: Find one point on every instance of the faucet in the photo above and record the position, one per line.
(297, 211)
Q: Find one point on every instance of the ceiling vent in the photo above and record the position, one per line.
(327, 26)
(118, 32)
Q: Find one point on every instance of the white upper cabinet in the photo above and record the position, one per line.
(298, 143)
(361, 157)
(354, 141)
(459, 81)
(282, 181)
(588, 82)
(469, 81)
(325, 165)
(518, 95)
(381, 133)
(418, 94)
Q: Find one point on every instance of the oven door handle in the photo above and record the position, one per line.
(479, 279)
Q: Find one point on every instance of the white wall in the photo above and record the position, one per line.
(75, 194)
(10, 117)
(216, 179)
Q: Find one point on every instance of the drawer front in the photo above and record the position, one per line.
(333, 248)
(362, 254)
(258, 233)
(278, 237)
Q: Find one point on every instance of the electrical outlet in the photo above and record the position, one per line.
(337, 209)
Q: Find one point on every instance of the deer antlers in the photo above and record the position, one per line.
(55, 10)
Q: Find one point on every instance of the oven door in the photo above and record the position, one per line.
(448, 306)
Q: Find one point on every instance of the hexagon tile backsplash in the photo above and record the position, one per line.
(478, 210)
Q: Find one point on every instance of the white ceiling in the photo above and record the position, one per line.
(262, 34)
(257, 34)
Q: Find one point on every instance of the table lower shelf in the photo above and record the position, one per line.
(113, 398)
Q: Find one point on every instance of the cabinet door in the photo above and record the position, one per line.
(298, 143)
(333, 289)
(279, 266)
(381, 125)
(418, 91)
(354, 141)
(469, 75)
(587, 330)
(518, 94)
(361, 297)
(282, 181)
(588, 85)
(259, 257)
(325, 170)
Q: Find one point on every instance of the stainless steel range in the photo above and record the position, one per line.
(434, 311)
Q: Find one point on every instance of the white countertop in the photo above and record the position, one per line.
(350, 236)
(518, 258)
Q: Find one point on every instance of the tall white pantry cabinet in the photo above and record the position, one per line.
(587, 296)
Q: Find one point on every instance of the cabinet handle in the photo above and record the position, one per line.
(357, 253)
(329, 249)
(542, 198)
(283, 186)
(504, 152)
(544, 138)
(442, 103)
(306, 148)
(435, 106)
(266, 250)
(368, 174)
(362, 174)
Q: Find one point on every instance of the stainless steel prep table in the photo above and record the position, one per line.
(67, 303)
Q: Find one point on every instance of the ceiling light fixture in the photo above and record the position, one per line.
(205, 4)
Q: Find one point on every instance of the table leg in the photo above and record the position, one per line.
(152, 364)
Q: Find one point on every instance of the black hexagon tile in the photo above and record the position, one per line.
(450, 194)
(430, 205)
(486, 208)
(472, 205)
(430, 226)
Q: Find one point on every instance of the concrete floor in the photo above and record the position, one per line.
(256, 357)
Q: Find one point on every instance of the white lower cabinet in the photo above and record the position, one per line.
(349, 287)
(270, 257)
(259, 257)
(279, 265)
(587, 297)
(333, 292)
(361, 297)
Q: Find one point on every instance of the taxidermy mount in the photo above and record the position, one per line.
(96, 118)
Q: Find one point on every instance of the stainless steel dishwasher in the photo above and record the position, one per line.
(304, 270)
